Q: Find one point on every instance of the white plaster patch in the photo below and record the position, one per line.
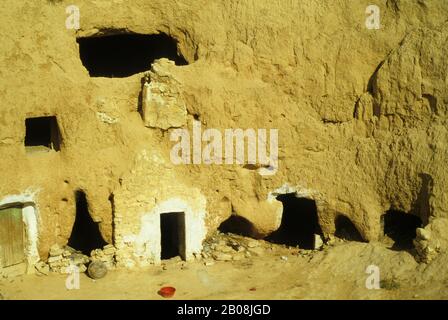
(130, 238)
(104, 117)
(29, 216)
(286, 188)
(147, 243)
(26, 197)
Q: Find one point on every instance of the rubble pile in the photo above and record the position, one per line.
(62, 259)
(231, 247)
(105, 255)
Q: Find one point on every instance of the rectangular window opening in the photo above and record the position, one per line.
(42, 134)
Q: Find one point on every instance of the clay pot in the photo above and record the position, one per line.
(167, 292)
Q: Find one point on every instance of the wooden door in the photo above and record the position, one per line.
(11, 237)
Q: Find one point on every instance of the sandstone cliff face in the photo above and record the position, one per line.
(361, 114)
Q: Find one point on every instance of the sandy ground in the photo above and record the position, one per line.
(336, 272)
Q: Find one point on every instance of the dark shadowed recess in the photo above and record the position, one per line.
(401, 228)
(86, 234)
(299, 222)
(122, 55)
(237, 225)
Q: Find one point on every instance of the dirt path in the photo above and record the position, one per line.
(337, 272)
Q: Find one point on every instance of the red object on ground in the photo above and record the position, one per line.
(253, 289)
(167, 292)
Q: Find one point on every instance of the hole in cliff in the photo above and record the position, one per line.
(112, 207)
(172, 229)
(401, 228)
(122, 55)
(345, 229)
(86, 234)
(299, 222)
(432, 102)
(42, 134)
(237, 225)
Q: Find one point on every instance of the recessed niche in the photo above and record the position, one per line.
(123, 55)
(86, 235)
(346, 230)
(299, 223)
(237, 225)
(401, 228)
(42, 134)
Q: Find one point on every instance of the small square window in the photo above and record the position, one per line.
(42, 134)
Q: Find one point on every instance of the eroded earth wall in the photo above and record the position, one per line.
(361, 114)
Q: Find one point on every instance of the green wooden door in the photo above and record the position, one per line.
(11, 237)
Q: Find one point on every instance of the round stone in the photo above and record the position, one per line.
(97, 270)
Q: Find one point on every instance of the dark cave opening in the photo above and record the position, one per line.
(86, 234)
(172, 237)
(42, 133)
(237, 225)
(401, 228)
(345, 229)
(122, 55)
(299, 222)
